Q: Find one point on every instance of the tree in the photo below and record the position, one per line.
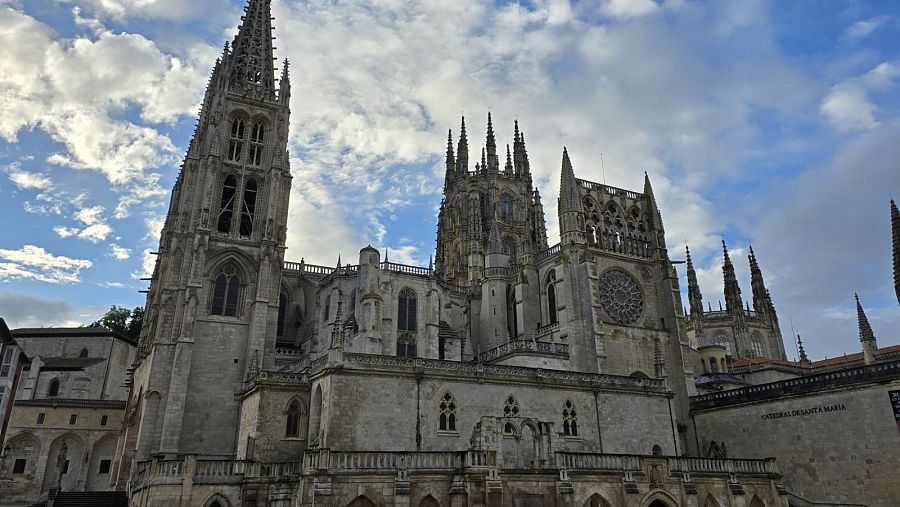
(122, 320)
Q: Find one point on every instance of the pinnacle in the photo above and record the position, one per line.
(865, 329)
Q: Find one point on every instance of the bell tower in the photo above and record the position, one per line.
(212, 305)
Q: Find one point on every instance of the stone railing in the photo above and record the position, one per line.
(595, 461)
(606, 189)
(409, 270)
(706, 466)
(799, 386)
(504, 371)
(548, 253)
(387, 461)
(309, 269)
(286, 351)
(496, 272)
(545, 330)
(532, 346)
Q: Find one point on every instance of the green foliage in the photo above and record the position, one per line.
(122, 320)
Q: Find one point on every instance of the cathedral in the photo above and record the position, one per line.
(514, 370)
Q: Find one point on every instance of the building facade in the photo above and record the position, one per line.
(67, 410)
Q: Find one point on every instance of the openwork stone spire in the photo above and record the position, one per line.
(694, 296)
(252, 71)
(462, 150)
(732, 289)
(865, 330)
(895, 232)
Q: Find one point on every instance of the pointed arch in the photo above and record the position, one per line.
(226, 204)
(257, 140)
(570, 419)
(429, 501)
(596, 500)
(217, 500)
(293, 416)
(710, 501)
(283, 302)
(447, 414)
(248, 206)
(659, 498)
(361, 501)
(53, 388)
(757, 502)
(315, 416)
(551, 303)
(406, 310)
(226, 292)
(22, 453)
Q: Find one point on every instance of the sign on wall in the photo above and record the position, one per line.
(895, 404)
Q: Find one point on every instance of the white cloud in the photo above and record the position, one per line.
(167, 9)
(65, 232)
(847, 107)
(91, 215)
(27, 180)
(864, 28)
(112, 285)
(148, 263)
(119, 252)
(628, 8)
(95, 233)
(33, 262)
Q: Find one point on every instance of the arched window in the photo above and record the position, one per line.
(327, 314)
(723, 340)
(406, 310)
(256, 144)
(509, 247)
(248, 208)
(53, 390)
(292, 426)
(551, 303)
(506, 208)
(757, 349)
(84, 353)
(447, 418)
(511, 407)
(406, 345)
(236, 141)
(713, 365)
(282, 312)
(226, 292)
(226, 205)
(570, 419)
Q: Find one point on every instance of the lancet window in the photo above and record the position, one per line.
(236, 140)
(282, 312)
(257, 136)
(551, 298)
(570, 419)
(53, 390)
(292, 423)
(506, 208)
(447, 417)
(406, 345)
(226, 204)
(248, 208)
(226, 292)
(406, 310)
(723, 340)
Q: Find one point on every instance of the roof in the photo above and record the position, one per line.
(848, 359)
(57, 332)
(72, 403)
(69, 363)
(5, 335)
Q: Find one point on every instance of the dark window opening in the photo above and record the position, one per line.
(292, 429)
(248, 208)
(105, 465)
(19, 466)
(236, 143)
(256, 144)
(84, 353)
(551, 303)
(226, 205)
(406, 310)
(226, 292)
(53, 390)
(73, 419)
(104, 420)
(282, 311)
(41, 417)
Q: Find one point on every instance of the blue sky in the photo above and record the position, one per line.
(771, 123)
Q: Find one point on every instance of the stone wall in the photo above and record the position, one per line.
(833, 444)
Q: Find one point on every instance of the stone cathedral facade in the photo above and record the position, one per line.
(512, 371)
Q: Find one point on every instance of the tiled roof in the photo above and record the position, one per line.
(848, 359)
(69, 363)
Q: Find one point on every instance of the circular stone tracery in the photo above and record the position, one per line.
(621, 296)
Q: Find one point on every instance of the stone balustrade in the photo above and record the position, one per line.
(707, 466)
(516, 346)
(599, 462)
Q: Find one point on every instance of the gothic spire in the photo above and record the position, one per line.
(568, 187)
(757, 285)
(895, 233)
(284, 84)
(803, 357)
(451, 159)
(732, 289)
(493, 162)
(655, 215)
(462, 150)
(865, 330)
(252, 69)
(509, 165)
(483, 161)
(694, 296)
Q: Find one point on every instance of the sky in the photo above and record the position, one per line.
(768, 123)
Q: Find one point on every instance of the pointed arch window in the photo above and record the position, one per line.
(292, 423)
(236, 141)
(447, 417)
(406, 345)
(723, 340)
(226, 205)
(506, 208)
(257, 136)
(53, 389)
(509, 247)
(282, 312)
(511, 407)
(406, 310)
(327, 313)
(570, 419)
(248, 207)
(84, 353)
(551, 303)
(226, 292)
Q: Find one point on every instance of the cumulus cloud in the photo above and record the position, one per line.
(863, 28)
(27, 180)
(848, 106)
(119, 252)
(35, 263)
(628, 8)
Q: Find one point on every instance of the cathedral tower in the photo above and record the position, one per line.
(212, 305)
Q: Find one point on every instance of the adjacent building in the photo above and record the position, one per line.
(67, 409)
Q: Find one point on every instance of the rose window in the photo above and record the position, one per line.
(621, 297)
